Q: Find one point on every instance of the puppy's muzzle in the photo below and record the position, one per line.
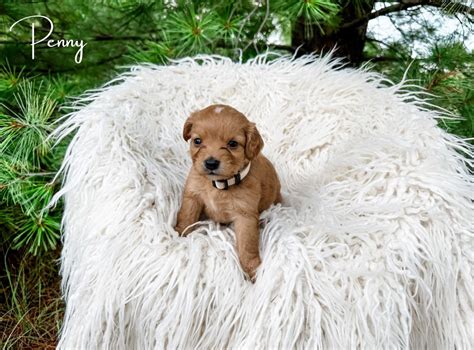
(211, 163)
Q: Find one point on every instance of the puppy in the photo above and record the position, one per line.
(230, 180)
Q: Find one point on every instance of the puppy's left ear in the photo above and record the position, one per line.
(254, 142)
(188, 125)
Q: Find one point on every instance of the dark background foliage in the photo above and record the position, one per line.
(124, 32)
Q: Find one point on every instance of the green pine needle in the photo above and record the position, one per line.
(230, 28)
(153, 52)
(34, 196)
(23, 133)
(314, 12)
(31, 192)
(193, 33)
(38, 233)
(9, 180)
(9, 77)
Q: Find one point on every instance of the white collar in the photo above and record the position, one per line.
(234, 180)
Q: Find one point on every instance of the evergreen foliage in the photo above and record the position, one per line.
(121, 32)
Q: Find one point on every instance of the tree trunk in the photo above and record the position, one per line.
(349, 43)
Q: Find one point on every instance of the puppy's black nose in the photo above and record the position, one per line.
(211, 163)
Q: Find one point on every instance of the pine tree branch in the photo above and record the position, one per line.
(265, 46)
(259, 30)
(106, 37)
(382, 59)
(282, 47)
(77, 67)
(83, 66)
(406, 4)
(99, 37)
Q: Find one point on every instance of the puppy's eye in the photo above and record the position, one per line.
(197, 141)
(232, 144)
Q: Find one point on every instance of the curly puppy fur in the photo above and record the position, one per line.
(223, 142)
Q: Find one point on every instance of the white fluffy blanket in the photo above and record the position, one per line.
(372, 248)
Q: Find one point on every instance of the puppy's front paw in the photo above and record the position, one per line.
(181, 230)
(250, 267)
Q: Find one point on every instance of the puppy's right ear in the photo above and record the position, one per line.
(188, 125)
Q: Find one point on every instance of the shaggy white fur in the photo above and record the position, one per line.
(372, 248)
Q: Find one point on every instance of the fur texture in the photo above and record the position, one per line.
(373, 247)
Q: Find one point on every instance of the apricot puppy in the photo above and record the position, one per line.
(230, 180)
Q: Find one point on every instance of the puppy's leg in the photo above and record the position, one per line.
(247, 234)
(279, 198)
(188, 214)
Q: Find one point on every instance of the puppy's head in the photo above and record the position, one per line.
(222, 141)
